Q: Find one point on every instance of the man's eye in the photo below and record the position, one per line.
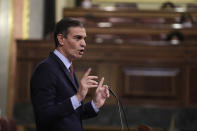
(78, 37)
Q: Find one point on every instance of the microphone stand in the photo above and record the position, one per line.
(120, 107)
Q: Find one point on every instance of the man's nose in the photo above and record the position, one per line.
(83, 43)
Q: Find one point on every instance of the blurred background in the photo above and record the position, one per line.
(145, 49)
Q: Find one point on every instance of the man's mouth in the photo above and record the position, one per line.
(81, 51)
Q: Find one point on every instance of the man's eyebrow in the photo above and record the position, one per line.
(79, 36)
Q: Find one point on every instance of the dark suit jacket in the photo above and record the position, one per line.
(51, 88)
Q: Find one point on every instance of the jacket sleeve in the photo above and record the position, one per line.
(87, 111)
(43, 94)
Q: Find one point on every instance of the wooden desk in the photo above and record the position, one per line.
(137, 24)
(129, 35)
(126, 16)
(79, 12)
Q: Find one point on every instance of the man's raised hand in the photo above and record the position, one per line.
(86, 82)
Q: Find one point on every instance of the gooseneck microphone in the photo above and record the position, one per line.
(120, 108)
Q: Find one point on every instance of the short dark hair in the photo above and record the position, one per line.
(62, 27)
(167, 4)
(176, 33)
(186, 16)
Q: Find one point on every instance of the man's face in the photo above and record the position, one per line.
(74, 44)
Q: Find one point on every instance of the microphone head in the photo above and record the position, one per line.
(110, 90)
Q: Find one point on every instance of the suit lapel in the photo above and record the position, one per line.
(70, 77)
(76, 80)
(65, 70)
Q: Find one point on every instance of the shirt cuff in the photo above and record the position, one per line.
(94, 107)
(75, 102)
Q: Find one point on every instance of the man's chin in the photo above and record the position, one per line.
(78, 57)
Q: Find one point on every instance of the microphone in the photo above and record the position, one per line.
(110, 90)
(120, 107)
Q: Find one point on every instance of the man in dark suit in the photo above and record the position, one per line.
(56, 95)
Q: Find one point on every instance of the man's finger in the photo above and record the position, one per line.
(92, 77)
(92, 82)
(101, 82)
(92, 86)
(87, 72)
(107, 91)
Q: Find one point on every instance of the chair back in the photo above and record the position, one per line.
(7, 124)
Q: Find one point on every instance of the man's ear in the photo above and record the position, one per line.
(60, 38)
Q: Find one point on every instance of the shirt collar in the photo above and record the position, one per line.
(62, 58)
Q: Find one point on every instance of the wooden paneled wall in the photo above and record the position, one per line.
(140, 73)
